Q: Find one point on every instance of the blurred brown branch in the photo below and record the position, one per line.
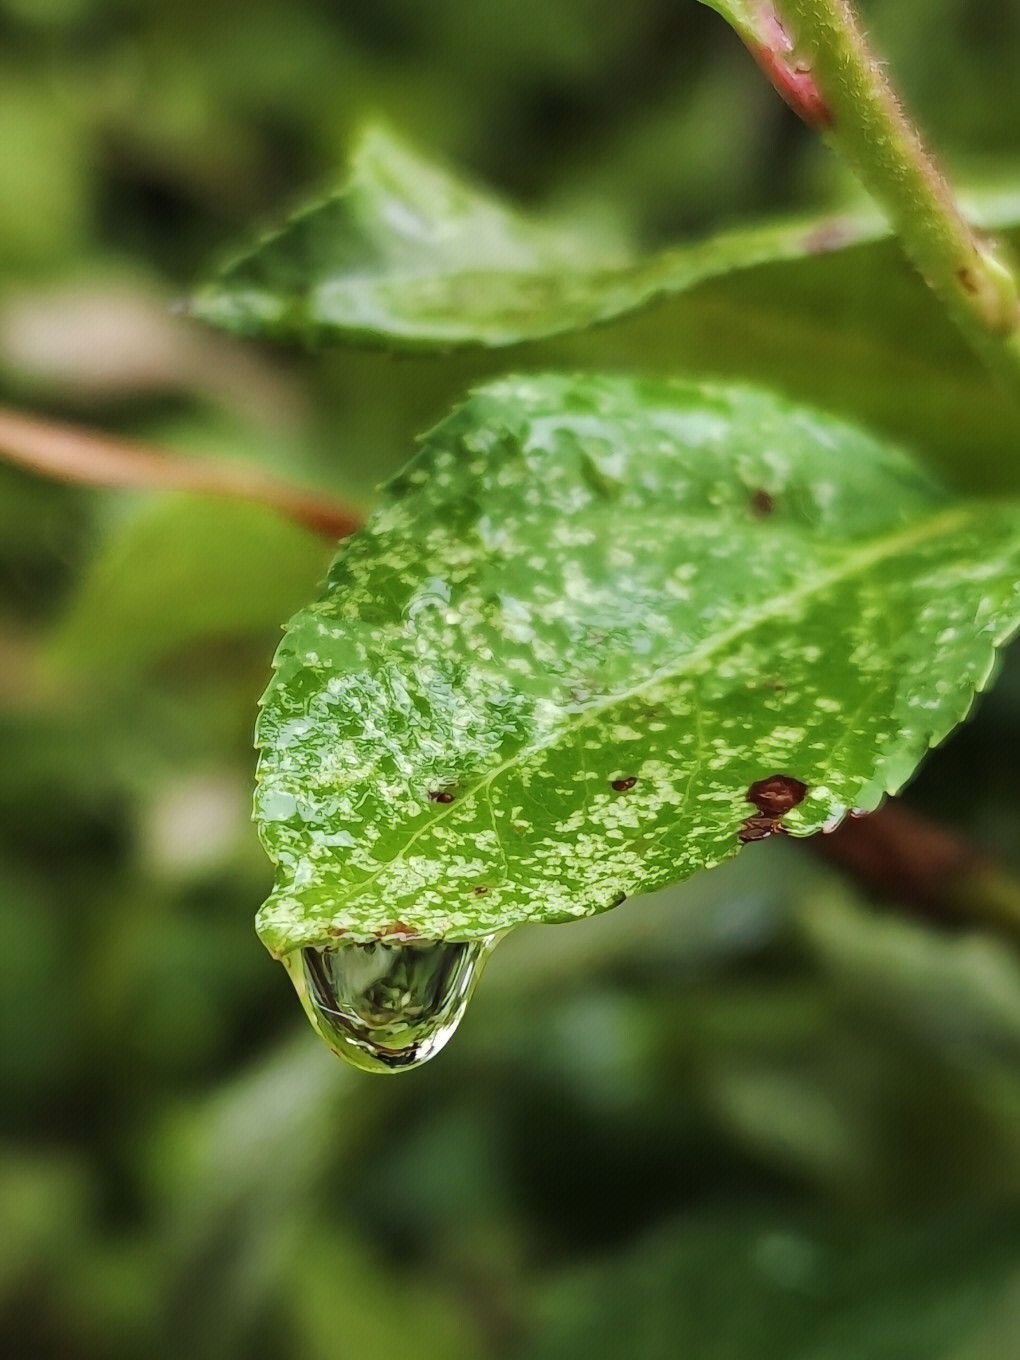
(69, 454)
(907, 859)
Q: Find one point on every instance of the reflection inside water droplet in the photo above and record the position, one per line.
(388, 1007)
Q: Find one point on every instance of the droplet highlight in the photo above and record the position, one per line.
(388, 1007)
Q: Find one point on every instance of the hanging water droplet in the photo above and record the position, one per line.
(388, 1007)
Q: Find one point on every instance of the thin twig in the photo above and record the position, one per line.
(69, 454)
(913, 862)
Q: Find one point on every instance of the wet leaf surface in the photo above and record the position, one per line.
(568, 659)
(410, 256)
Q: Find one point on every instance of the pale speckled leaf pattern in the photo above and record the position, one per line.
(585, 619)
(409, 256)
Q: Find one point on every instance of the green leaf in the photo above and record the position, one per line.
(855, 332)
(585, 620)
(409, 256)
(184, 570)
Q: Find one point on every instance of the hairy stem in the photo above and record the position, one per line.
(68, 454)
(817, 57)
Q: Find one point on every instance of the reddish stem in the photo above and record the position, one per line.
(69, 454)
(909, 861)
(901, 856)
(793, 82)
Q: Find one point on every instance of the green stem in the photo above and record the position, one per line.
(818, 59)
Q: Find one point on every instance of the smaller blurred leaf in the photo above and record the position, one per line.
(183, 571)
(408, 255)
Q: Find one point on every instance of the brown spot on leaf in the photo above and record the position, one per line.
(759, 829)
(397, 931)
(763, 503)
(773, 797)
(776, 795)
(622, 785)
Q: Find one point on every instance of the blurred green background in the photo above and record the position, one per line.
(757, 1116)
